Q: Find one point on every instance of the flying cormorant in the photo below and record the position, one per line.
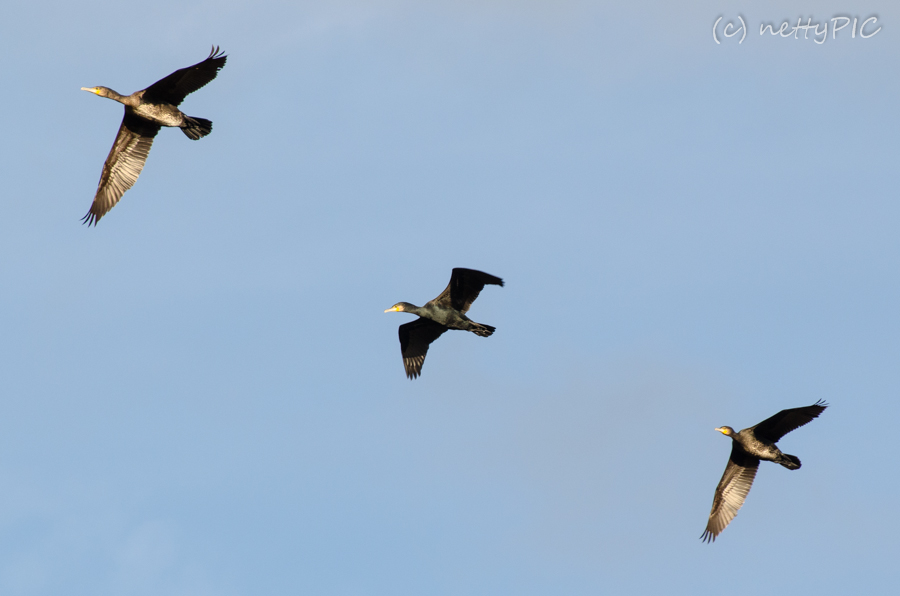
(447, 311)
(145, 112)
(748, 447)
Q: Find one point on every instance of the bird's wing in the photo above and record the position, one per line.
(414, 340)
(785, 421)
(123, 164)
(175, 87)
(731, 492)
(464, 287)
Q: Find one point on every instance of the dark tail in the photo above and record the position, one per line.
(481, 330)
(196, 128)
(791, 462)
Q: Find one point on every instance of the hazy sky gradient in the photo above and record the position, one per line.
(202, 395)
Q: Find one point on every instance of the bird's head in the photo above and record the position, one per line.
(726, 430)
(399, 307)
(101, 91)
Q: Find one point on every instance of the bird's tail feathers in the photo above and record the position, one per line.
(482, 330)
(196, 128)
(791, 462)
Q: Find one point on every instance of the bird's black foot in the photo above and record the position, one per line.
(482, 330)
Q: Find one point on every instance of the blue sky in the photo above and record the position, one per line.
(202, 395)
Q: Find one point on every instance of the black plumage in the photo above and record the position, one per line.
(447, 311)
(748, 447)
(145, 112)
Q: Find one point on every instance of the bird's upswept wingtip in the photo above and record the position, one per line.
(215, 52)
(90, 219)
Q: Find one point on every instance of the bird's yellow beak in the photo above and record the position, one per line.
(721, 430)
(90, 89)
(392, 309)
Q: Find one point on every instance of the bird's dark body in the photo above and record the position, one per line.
(164, 114)
(763, 449)
(453, 319)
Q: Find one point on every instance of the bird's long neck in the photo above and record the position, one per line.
(128, 100)
(115, 96)
(416, 310)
